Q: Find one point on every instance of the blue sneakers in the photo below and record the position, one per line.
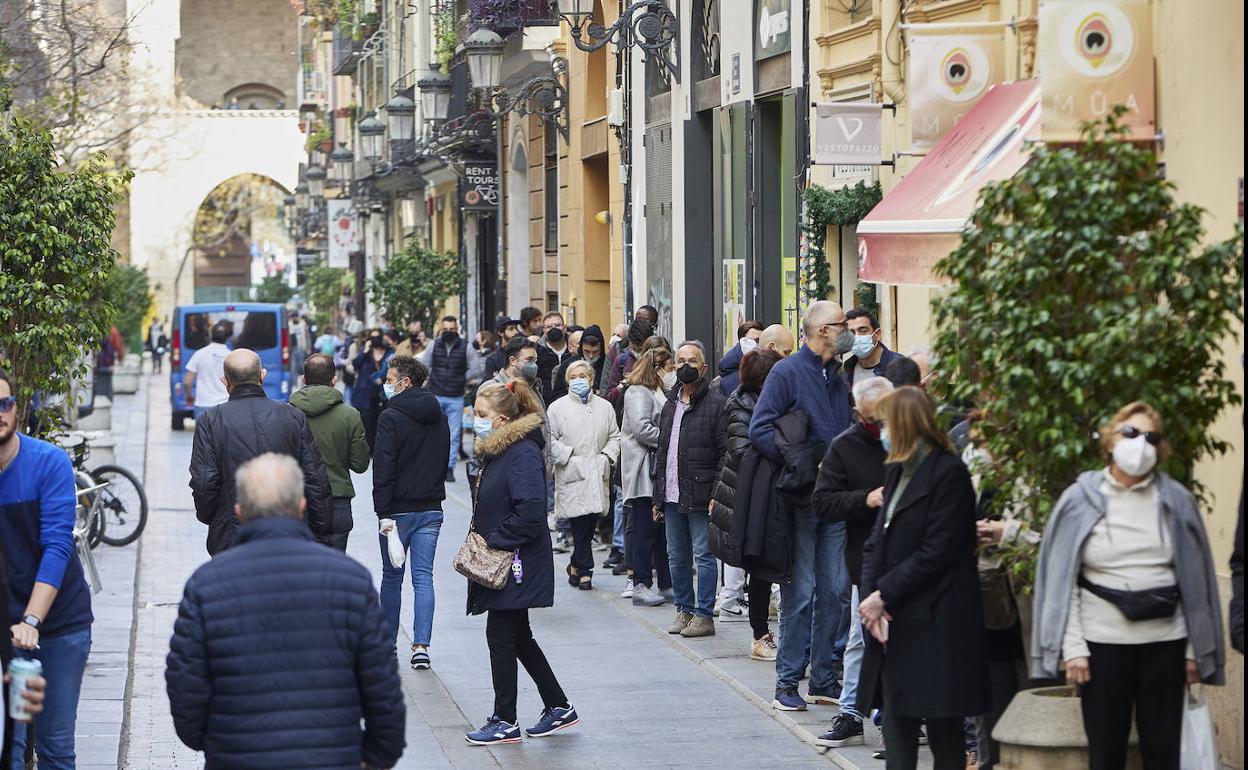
(495, 730)
(553, 720)
(787, 699)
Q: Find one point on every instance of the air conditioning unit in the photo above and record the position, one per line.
(615, 107)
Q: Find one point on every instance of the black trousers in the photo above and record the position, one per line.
(510, 639)
(946, 737)
(649, 546)
(758, 594)
(1147, 679)
(582, 543)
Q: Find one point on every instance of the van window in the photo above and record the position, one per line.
(254, 331)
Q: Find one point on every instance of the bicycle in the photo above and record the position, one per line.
(122, 504)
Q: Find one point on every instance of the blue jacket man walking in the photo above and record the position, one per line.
(817, 596)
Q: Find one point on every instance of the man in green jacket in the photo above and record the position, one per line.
(339, 434)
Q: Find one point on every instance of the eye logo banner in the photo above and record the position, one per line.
(948, 73)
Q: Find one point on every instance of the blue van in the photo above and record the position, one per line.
(256, 325)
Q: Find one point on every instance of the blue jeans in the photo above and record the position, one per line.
(617, 526)
(453, 408)
(419, 533)
(64, 660)
(853, 660)
(815, 602)
(686, 544)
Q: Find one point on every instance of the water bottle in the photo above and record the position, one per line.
(21, 670)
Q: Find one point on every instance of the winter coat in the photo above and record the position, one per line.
(278, 652)
(703, 440)
(640, 439)
(1078, 510)
(801, 381)
(852, 467)
(339, 434)
(729, 370)
(369, 375)
(800, 456)
(448, 369)
(230, 434)
(761, 519)
(509, 511)
(923, 564)
(584, 444)
(727, 547)
(409, 457)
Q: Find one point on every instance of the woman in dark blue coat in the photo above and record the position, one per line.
(509, 511)
(370, 372)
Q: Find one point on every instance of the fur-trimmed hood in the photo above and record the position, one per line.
(511, 433)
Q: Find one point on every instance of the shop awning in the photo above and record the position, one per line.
(921, 219)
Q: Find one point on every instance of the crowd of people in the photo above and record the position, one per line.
(816, 490)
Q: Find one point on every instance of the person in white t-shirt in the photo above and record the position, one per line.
(204, 383)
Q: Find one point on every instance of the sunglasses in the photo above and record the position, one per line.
(7, 403)
(1130, 431)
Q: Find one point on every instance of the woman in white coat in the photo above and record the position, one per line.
(584, 443)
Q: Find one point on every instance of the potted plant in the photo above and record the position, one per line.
(1081, 285)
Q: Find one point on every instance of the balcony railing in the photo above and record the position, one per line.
(506, 17)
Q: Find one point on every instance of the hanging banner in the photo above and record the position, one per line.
(948, 73)
(344, 232)
(478, 191)
(1092, 56)
(847, 133)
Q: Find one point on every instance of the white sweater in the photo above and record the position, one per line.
(1128, 549)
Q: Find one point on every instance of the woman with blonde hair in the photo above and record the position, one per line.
(1126, 596)
(926, 653)
(584, 444)
(509, 511)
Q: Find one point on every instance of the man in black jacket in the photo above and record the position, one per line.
(280, 649)
(692, 438)
(247, 426)
(850, 489)
(449, 359)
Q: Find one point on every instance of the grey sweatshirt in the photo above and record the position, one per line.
(1081, 506)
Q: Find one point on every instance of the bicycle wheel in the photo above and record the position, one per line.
(88, 507)
(124, 507)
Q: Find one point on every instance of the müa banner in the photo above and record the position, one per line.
(948, 72)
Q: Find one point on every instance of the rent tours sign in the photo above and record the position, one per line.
(479, 188)
(847, 133)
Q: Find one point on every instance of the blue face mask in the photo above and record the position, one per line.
(888, 447)
(387, 390)
(863, 345)
(580, 387)
(482, 426)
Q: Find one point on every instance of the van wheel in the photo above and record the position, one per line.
(178, 422)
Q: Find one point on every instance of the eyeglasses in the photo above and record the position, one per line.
(1130, 431)
(7, 404)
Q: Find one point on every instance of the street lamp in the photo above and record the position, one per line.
(372, 132)
(435, 95)
(649, 24)
(401, 115)
(344, 163)
(292, 211)
(315, 178)
(302, 195)
(484, 51)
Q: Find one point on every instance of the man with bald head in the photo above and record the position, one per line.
(246, 426)
(816, 599)
(777, 337)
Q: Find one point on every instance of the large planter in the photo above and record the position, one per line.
(101, 417)
(126, 381)
(1042, 729)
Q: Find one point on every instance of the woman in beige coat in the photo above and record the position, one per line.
(584, 443)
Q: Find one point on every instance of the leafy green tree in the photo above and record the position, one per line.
(130, 293)
(323, 286)
(1080, 286)
(273, 288)
(416, 284)
(56, 264)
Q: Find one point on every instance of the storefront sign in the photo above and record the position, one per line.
(479, 190)
(1091, 57)
(847, 133)
(344, 232)
(771, 24)
(948, 73)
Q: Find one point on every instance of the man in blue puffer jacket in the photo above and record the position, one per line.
(280, 648)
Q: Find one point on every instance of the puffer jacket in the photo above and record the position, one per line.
(339, 433)
(702, 442)
(413, 442)
(584, 444)
(230, 434)
(738, 410)
(278, 652)
(639, 439)
(509, 511)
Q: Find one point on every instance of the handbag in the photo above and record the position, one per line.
(1199, 744)
(482, 564)
(1000, 610)
(1150, 604)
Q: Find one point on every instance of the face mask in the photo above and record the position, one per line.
(747, 345)
(688, 374)
(376, 341)
(580, 387)
(529, 371)
(593, 359)
(449, 337)
(669, 380)
(414, 338)
(888, 447)
(1135, 456)
(387, 390)
(844, 341)
(555, 335)
(482, 426)
(863, 345)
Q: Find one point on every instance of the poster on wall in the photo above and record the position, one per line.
(733, 313)
(847, 133)
(1090, 57)
(948, 72)
(344, 232)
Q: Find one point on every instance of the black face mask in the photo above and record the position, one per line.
(555, 335)
(449, 337)
(376, 342)
(414, 338)
(688, 374)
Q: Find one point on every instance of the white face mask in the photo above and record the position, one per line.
(1135, 456)
(748, 344)
(669, 380)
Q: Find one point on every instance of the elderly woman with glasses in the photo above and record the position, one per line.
(1126, 596)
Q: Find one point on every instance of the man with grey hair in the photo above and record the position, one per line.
(246, 426)
(816, 598)
(926, 359)
(229, 696)
(850, 490)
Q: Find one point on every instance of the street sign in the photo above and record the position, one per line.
(479, 190)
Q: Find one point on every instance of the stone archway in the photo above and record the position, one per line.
(238, 238)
